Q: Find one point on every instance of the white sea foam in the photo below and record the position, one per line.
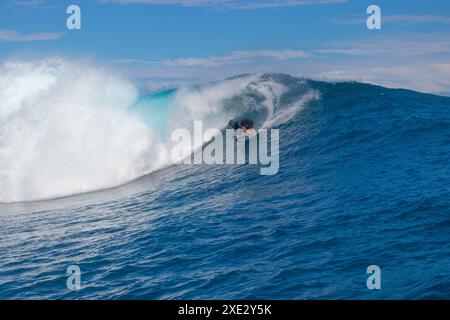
(64, 129)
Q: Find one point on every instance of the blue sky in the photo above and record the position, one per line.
(165, 43)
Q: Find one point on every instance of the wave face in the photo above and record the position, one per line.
(364, 179)
(68, 128)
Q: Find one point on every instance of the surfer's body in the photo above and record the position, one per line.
(245, 124)
(243, 128)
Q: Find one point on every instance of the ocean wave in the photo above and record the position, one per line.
(71, 127)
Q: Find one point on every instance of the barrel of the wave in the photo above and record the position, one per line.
(154, 110)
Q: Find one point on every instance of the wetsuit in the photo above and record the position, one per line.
(245, 123)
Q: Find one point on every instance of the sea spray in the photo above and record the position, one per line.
(65, 129)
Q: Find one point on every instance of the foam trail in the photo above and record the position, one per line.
(288, 112)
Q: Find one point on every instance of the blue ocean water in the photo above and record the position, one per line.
(364, 180)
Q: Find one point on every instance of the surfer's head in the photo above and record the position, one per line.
(247, 124)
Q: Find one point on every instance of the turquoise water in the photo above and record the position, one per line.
(155, 110)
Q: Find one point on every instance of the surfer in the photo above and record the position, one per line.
(245, 125)
(242, 128)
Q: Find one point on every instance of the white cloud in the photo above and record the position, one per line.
(413, 61)
(277, 54)
(230, 4)
(418, 62)
(235, 57)
(406, 45)
(401, 19)
(28, 3)
(238, 57)
(432, 77)
(138, 61)
(14, 36)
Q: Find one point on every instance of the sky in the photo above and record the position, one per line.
(165, 43)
